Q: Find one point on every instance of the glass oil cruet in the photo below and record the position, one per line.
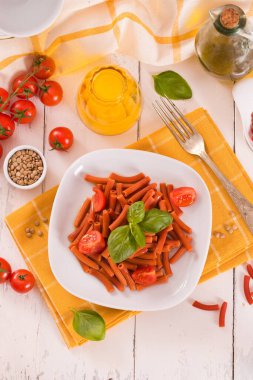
(224, 44)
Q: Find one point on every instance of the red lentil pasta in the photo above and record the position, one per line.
(161, 249)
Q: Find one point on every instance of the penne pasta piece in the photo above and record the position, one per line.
(112, 199)
(181, 224)
(85, 267)
(105, 225)
(112, 214)
(149, 203)
(178, 255)
(94, 179)
(73, 235)
(140, 261)
(100, 186)
(97, 226)
(82, 212)
(120, 219)
(162, 205)
(129, 280)
(149, 193)
(131, 179)
(149, 239)
(166, 263)
(139, 194)
(130, 266)
(105, 253)
(161, 241)
(109, 185)
(84, 259)
(101, 277)
(186, 242)
(122, 200)
(159, 273)
(135, 187)
(164, 191)
(118, 284)
(105, 266)
(116, 271)
(159, 261)
(171, 244)
(150, 255)
(157, 198)
(174, 207)
(86, 225)
(139, 252)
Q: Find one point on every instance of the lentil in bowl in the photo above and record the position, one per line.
(25, 167)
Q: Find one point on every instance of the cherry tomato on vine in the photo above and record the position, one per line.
(3, 97)
(7, 126)
(92, 243)
(43, 66)
(51, 93)
(61, 138)
(1, 150)
(23, 111)
(5, 270)
(145, 275)
(22, 281)
(183, 196)
(28, 89)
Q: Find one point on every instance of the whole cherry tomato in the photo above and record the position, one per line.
(98, 200)
(5, 270)
(7, 126)
(43, 66)
(92, 243)
(23, 111)
(22, 281)
(3, 97)
(61, 138)
(145, 275)
(1, 150)
(183, 196)
(28, 89)
(51, 93)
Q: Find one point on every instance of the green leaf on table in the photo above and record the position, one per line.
(89, 324)
(138, 234)
(121, 244)
(136, 212)
(171, 84)
(155, 220)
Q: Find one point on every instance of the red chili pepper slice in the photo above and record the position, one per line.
(247, 291)
(203, 306)
(222, 315)
(250, 270)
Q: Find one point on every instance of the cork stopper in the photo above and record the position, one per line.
(230, 18)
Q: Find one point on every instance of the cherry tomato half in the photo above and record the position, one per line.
(43, 66)
(5, 270)
(92, 243)
(28, 89)
(7, 126)
(3, 97)
(22, 281)
(23, 111)
(98, 200)
(1, 150)
(61, 138)
(183, 196)
(145, 275)
(51, 93)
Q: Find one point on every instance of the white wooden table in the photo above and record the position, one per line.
(182, 343)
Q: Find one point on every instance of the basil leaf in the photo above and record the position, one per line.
(138, 234)
(171, 84)
(121, 244)
(136, 212)
(89, 324)
(155, 220)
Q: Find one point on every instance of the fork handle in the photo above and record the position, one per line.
(243, 205)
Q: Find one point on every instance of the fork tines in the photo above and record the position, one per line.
(173, 118)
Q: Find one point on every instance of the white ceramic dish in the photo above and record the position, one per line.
(5, 167)
(72, 191)
(243, 96)
(27, 17)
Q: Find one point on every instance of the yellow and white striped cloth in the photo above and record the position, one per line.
(223, 254)
(157, 32)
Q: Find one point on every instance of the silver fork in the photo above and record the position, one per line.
(192, 142)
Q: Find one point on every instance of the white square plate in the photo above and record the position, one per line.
(72, 192)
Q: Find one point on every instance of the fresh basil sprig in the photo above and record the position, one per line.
(171, 84)
(125, 240)
(89, 324)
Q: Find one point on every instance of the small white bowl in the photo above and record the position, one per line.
(5, 167)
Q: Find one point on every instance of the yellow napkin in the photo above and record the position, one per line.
(223, 254)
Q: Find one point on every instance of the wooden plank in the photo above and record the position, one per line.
(183, 342)
(243, 312)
